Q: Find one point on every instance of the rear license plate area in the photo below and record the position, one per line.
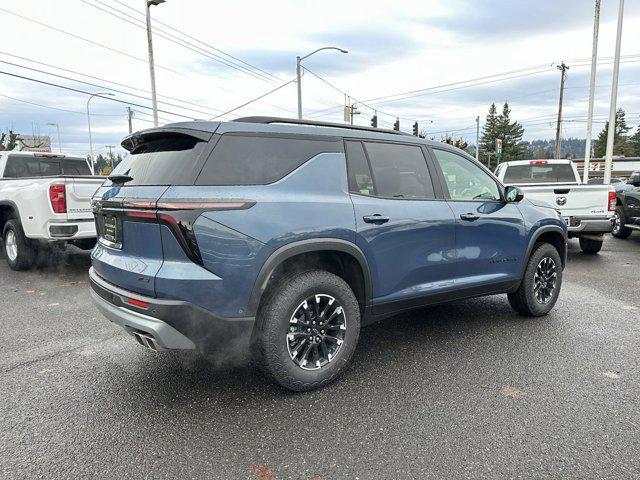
(112, 231)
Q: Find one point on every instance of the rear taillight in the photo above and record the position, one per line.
(58, 198)
(137, 303)
(612, 201)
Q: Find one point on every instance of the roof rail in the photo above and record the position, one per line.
(295, 121)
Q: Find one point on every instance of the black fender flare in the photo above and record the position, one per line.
(534, 238)
(14, 207)
(305, 246)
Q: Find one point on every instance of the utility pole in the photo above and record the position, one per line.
(130, 117)
(152, 73)
(110, 154)
(556, 148)
(592, 88)
(608, 162)
(478, 138)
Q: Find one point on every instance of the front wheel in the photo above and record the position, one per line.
(589, 246)
(540, 286)
(307, 330)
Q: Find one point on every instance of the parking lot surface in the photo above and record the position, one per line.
(467, 390)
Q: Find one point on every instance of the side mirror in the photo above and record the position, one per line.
(513, 194)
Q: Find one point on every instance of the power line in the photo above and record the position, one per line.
(56, 108)
(78, 37)
(254, 100)
(202, 42)
(88, 93)
(172, 38)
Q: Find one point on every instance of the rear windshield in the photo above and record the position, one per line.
(171, 159)
(539, 173)
(19, 166)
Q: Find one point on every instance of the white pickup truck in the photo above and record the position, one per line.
(588, 210)
(44, 200)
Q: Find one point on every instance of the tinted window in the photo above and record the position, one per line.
(466, 180)
(21, 167)
(399, 171)
(166, 159)
(360, 180)
(256, 160)
(540, 173)
(72, 166)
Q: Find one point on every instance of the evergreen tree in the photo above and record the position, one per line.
(511, 134)
(621, 144)
(635, 142)
(8, 142)
(501, 126)
(489, 135)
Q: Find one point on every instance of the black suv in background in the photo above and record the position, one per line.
(627, 216)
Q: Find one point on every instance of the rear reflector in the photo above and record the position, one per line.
(612, 201)
(58, 198)
(137, 303)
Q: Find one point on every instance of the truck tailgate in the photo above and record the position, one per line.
(79, 193)
(571, 199)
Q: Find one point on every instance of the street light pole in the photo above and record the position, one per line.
(478, 138)
(299, 75)
(608, 162)
(58, 130)
(152, 73)
(93, 167)
(592, 88)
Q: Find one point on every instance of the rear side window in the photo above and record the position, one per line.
(399, 171)
(259, 160)
(540, 172)
(360, 179)
(166, 159)
(23, 167)
(72, 166)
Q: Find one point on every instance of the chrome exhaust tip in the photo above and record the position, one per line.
(147, 341)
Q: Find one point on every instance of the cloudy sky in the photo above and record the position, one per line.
(439, 62)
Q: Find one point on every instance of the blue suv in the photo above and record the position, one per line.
(286, 236)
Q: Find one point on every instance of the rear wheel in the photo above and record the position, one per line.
(307, 330)
(18, 249)
(589, 246)
(619, 220)
(540, 286)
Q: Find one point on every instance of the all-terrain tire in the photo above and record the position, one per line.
(589, 246)
(619, 230)
(524, 300)
(270, 342)
(13, 236)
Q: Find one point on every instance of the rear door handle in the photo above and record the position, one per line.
(469, 217)
(377, 219)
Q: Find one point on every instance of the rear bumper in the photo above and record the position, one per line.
(166, 324)
(71, 230)
(590, 225)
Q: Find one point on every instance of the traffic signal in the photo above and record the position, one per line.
(374, 121)
(415, 129)
(396, 125)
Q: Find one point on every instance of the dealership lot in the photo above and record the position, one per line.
(455, 391)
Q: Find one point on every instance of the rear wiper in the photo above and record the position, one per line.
(120, 178)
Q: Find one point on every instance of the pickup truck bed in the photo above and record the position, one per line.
(37, 209)
(588, 210)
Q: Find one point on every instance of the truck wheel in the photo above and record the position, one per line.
(589, 246)
(619, 230)
(307, 330)
(18, 249)
(540, 286)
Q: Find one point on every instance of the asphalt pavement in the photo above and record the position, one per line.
(468, 390)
